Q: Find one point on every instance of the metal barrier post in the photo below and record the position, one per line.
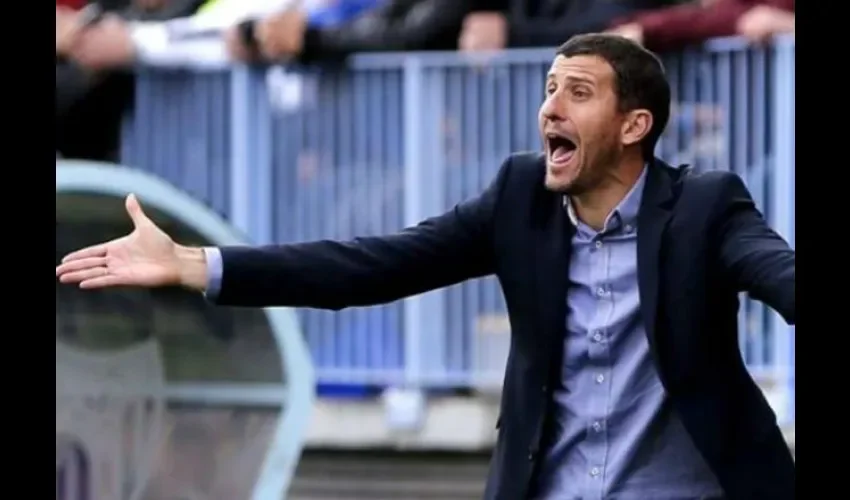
(424, 315)
(250, 172)
(783, 187)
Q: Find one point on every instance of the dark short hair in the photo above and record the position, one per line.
(640, 82)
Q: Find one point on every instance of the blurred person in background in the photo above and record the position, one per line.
(90, 101)
(543, 23)
(393, 25)
(677, 27)
(195, 40)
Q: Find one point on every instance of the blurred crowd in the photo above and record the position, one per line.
(99, 42)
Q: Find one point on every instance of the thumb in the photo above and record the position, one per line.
(134, 209)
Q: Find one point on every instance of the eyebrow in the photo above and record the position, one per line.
(571, 79)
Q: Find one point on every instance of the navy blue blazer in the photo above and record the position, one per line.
(701, 242)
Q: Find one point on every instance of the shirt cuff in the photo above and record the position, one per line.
(149, 40)
(215, 271)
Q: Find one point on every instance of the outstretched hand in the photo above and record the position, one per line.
(147, 257)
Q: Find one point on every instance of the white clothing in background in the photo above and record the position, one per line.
(197, 41)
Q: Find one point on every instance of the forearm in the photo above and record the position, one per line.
(379, 31)
(177, 44)
(335, 275)
(675, 27)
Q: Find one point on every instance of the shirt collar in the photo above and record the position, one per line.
(626, 212)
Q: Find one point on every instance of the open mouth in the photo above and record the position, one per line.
(561, 149)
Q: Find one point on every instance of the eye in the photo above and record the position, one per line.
(550, 90)
(580, 92)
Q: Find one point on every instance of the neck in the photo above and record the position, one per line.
(594, 206)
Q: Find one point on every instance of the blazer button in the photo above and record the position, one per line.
(544, 389)
(532, 455)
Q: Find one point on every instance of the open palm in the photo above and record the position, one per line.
(146, 258)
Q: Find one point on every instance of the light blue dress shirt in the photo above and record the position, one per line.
(618, 436)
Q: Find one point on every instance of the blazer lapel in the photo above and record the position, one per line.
(553, 255)
(552, 269)
(655, 212)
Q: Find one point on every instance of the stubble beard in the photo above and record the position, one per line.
(590, 175)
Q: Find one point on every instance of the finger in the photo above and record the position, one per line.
(268, 50)
(261, 30)
(267, 40)
(67, 31)
(105, 281)
(265, 44)
(92, 251)
(83, 275)
(134, 209)
(68, 38)
(234, 45)
(80, 265)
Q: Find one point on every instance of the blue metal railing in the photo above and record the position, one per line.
(395, 138)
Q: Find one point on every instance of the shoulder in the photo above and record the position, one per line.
(712, 190)
(520, 187)
(715, 181)
(522, 172)
(526, 164)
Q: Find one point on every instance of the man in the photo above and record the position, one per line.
(621, 275)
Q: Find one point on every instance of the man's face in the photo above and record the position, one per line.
(580, 124)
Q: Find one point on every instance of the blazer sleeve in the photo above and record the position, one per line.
(438, 252)
(395, 26)
(754, 256)
(675, 27)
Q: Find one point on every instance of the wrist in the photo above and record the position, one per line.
(191, 267)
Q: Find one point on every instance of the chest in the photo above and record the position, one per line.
(603, 295)
(609, 276)
(603, 268)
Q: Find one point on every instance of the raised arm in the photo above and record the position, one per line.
(757, 260)
(441, 251)
(438, 252)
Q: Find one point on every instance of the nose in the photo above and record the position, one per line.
(551, 109)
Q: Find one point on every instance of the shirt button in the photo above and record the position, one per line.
(594, 471)
(598, 244)
(597, 426)
(629, 228)
(597, 336)
(600, 291)
(600, 378)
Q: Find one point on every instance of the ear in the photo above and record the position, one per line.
(636, 126)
